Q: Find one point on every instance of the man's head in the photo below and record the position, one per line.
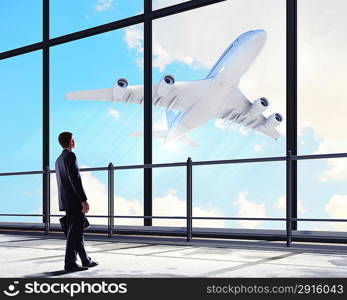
(66, 140)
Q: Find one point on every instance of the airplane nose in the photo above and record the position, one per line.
(258, 35)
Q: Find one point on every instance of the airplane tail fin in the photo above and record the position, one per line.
(170, 117)
(184, 139)
(162, 135)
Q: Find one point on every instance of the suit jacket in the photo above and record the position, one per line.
(70, 189)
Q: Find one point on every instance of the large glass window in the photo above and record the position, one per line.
(219, 92)
(102, 126)
(170, 196)
(322, 91)
(128, 198)
(193, 116)
(21, 195)
(322, 193)
(255, 190)
(21, 112)
(197, 40)
(322, 69)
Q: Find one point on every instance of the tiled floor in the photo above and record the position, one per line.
(43, 256)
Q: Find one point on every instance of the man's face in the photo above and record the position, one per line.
(72, 143)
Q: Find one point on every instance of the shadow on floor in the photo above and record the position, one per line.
(49, 274)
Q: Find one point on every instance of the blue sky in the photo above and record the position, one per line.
(102, 129)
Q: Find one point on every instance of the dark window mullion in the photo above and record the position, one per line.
(147, 197)
(45, 109)
(291, 101)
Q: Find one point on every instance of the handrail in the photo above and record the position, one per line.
(195, 163)
(183, 217)
(189, 173)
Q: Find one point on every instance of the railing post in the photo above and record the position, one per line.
(189, 198)
(110, 199)
(46, 198)
(289, 199)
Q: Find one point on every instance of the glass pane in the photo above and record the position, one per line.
(127, 201)
(20, 23)
(169, 195)
(128, 196)
(95, 185)
(102, 129)
(322, 69)
(322, 193)
(201, 117)
(21, 113)
(156, 4)
(255, 190)
(68, 16)
(21, 195)
(102, 123)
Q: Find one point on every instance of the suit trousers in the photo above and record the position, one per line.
(74, 238)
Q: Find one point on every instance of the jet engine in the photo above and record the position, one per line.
(258, 106)
(165, 85)
(120, 88)
(273, 121)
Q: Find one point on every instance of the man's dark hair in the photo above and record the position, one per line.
(64, 139)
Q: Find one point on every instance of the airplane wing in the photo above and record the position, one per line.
(178, 96)
(271, 132)
(237, 109)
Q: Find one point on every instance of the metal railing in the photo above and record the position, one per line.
(189, 173)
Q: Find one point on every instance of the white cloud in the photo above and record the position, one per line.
(97, 198)
(337, 209)
(103, 5)
(167, 205)
(134, 37)
(162, 57)
(115, 114)
(171, 205)
(257, 147)
(249, 209)
(337, 170)
(281, 204)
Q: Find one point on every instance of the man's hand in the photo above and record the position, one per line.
(85, 207)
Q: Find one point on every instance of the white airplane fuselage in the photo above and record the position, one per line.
(225, 76)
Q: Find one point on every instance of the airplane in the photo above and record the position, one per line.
(190, 104)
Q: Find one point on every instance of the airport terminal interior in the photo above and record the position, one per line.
(209, 136)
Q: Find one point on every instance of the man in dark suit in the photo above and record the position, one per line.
(72, 200)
